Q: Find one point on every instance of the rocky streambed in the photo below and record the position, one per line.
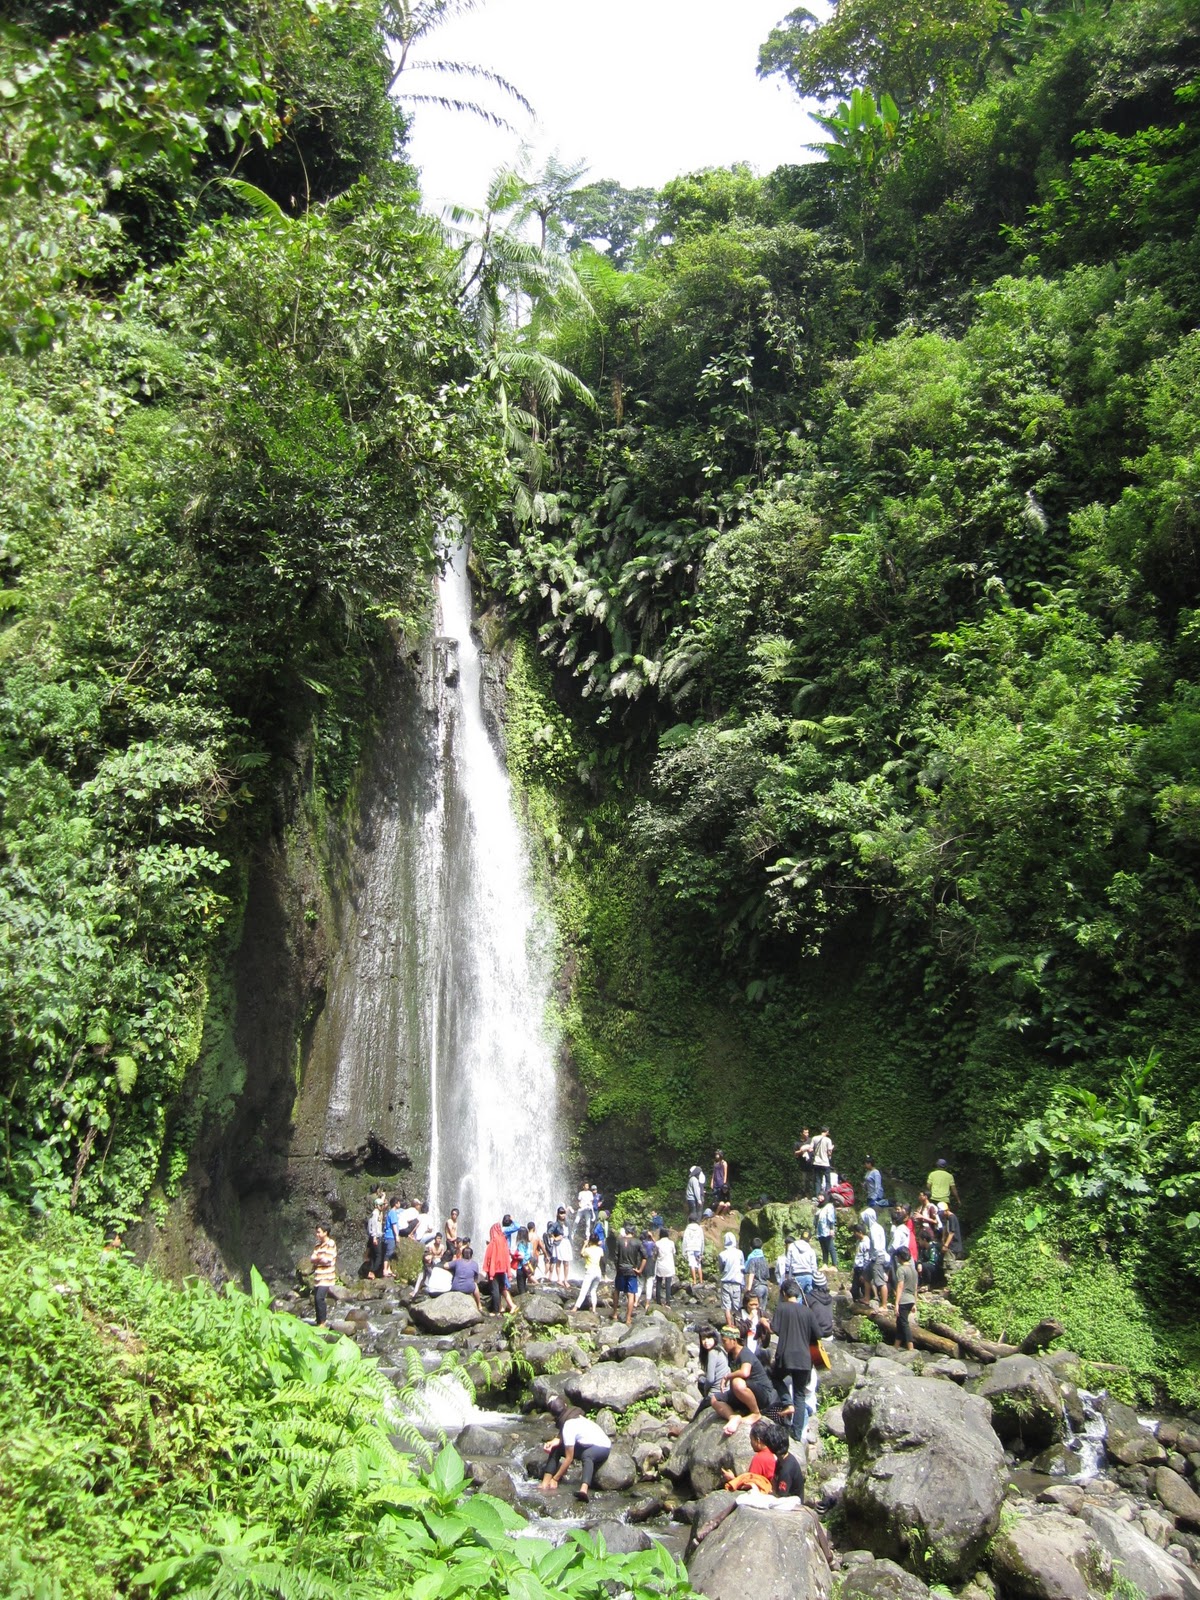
(999, 1478)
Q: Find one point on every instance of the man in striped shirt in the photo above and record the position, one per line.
(324, 1260)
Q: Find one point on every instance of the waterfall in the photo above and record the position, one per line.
(434, 1048)
(494, 1134)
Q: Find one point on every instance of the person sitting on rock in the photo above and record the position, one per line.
(714, 1368)
(761, 1472)
(465, 1275)
(750, 1392)
(693, 1252)
(577, 1436)
(788, 1478)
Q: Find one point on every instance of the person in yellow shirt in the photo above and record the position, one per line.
(940, 1184)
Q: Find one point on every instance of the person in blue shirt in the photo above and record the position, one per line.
(873, 1186)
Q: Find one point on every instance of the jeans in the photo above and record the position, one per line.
(662, 1290)
(320, 1300)
(795, 1381)
(828, 1250)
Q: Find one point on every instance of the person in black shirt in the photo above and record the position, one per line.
(789, 1474)
(751, 1392)
(628, 1255)
(795, 1334)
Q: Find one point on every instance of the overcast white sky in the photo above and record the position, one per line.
(641, 89)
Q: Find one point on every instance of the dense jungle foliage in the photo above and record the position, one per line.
(871, 592)
(163, 1441)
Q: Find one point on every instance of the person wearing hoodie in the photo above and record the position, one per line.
(881, 1259)
(733, 1273)
(496, 1265)
(694, 1194)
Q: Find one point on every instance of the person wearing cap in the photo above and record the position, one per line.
(941, 1185)
(750, 1393)
(693, 1194)
(577, 1436)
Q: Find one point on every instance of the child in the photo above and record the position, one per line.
(789, 1474)
(762, 1463)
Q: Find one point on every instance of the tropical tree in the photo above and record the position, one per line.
(407, 24)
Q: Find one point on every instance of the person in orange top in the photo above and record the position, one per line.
(496, 1259)
(324, 1263)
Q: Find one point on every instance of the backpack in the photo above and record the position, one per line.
(842, 1194)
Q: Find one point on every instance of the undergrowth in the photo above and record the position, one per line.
(163, 1441)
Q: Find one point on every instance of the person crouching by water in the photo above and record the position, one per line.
(578, 1436)
(495, 1268)
(324, 1263)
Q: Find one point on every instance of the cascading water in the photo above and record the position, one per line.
(494, 1142)
(433, 1045)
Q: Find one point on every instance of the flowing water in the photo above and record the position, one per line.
(434, 1042)
(495, 1134)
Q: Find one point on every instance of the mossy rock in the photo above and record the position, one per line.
(408, 1260)
(773, 1223)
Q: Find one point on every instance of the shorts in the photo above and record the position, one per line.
(628, 1282)
(879, 1271)
(695, 1257)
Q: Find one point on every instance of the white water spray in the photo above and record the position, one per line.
(494, 1121)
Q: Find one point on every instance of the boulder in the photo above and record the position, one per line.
(927, 1474)
(543, 1310)
(476, 1440)
(556, 1355)
(702, 1450)
(1126, 1441)
(833, 1421)
(1138, 1559)
(1027, 1408)
(448, 1313)
(648, 1455)
(616, 1384)
(771, 1553)
(844, 1370)
(1052, 1556)
(618, 1472)
(881, 1580)
(709, 1513)
(657, 1341)
(1180, 1499)
(550, 1386)
(948, 1367)
(620, 1539)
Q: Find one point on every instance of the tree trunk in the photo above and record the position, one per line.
(886, 1323)
(1038, 1338)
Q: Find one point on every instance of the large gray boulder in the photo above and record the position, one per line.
(616, 1384)
(927, 1472)
(770, 1552)
(446, 1313)
(1177, 1494)
(881, 1580)
(702, 1450)
(1126, 1441)
(556, 1355)
(1027, 1407)
(1051, 1556)
(618, 1472)
(543, 1310)
(1138, 1559)
(476, 1440)
(622, 1540)
(657, 1341)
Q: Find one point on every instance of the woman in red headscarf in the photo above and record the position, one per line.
(495, 1268)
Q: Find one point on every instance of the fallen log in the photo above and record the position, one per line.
(920, 1337)
(1039, 1338)
(972, 1345)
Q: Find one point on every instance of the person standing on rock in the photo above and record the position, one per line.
(801, 1260)
(391, 1233)
(750, 1393)
(648, 1263)
(693, 1252)
(940, 1184)
(577, 1436)
(827, 1232)
(733, 1273)
(375, 1240)
(873, 1186)
(694, 1194)
(495, 1268)
(906, 1297)
(664, 1268)
(628, 1255)
(720, 1183)
(795, 1334)
(804, 1153)
(324, 1261)
(881, 1260)
(593, 1272)
(822, 1160)
(452, 1240)
(585, 1213)
(758, 1271)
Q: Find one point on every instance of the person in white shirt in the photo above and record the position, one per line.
(801, 1261)
(822, 1160)
(424, 1229)
(577, 1436)
(827, 1232)
(733, 1272)
(881, 1260)
(693, 1250)
(664, 1268)
(585, 1214)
